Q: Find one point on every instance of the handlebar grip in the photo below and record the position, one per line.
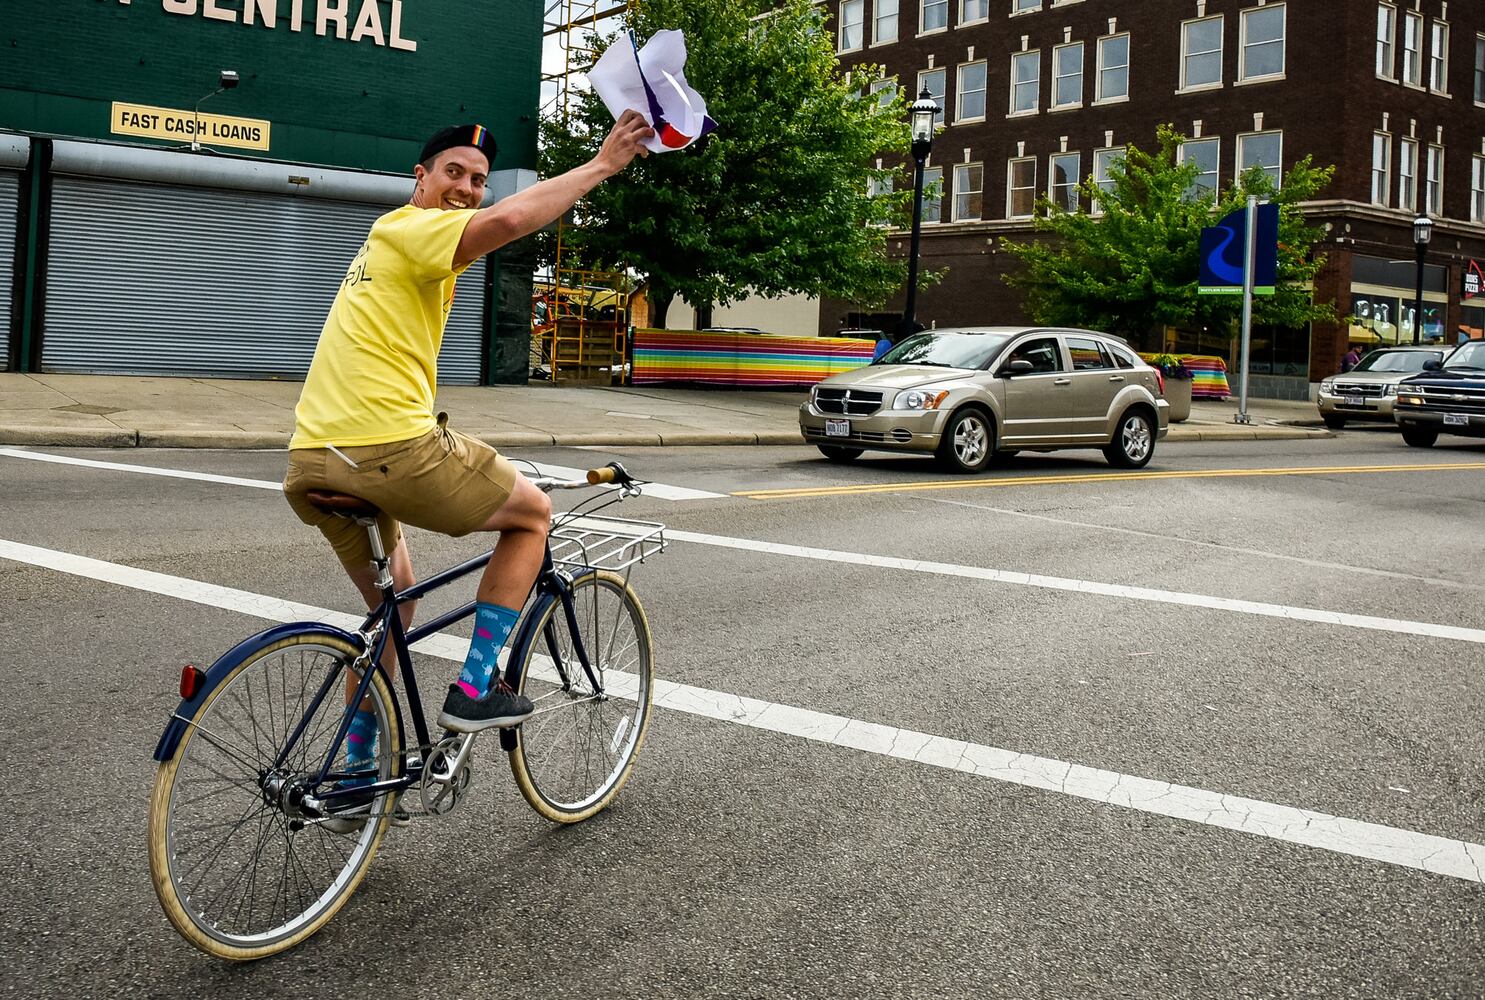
(598, 476)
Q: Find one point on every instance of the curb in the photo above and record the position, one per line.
(1239, 432)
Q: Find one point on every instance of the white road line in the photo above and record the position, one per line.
(661, 491)
(1017, 578)
(1013, 577)
(1372, 841)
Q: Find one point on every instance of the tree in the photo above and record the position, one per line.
(1134, 266)
(776, 201)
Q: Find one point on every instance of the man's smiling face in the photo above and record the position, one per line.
(456, 179)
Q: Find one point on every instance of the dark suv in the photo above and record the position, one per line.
(1447, 397)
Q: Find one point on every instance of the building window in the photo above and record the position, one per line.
(1020, 195)
(1381, 168)
(1480, 69)
(1263, 42)
(1438, 58)
(933, 205)
(1067, 75)
(1477, 188)
(969, 182)
(974, 10)
(1026, 81)
(1206, 154)
(1412, 48)
(1022, 6)
(1113, 68)
(933, 80)
(971, 92)
(1103, 163)
(933, 14)
(1262, 150)
(1386, 41)
(877, 186)
(1064, 175)
(1407, 175)
(851, 14)
(885, 92)
(1201, 53)
(884, 22)
(1433, 182)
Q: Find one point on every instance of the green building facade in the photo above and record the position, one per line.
(182, 182)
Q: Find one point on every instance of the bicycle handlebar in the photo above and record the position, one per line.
(613, 473)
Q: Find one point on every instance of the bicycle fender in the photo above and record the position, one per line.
(228, 662)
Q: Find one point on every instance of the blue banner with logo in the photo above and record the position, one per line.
(1222, 253)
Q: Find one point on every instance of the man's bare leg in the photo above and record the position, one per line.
(522, 521)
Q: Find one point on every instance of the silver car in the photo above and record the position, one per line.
(970, 394)
(1368, 391)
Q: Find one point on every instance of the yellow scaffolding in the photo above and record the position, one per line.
(580, 318)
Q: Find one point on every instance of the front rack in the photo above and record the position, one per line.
(611, 543)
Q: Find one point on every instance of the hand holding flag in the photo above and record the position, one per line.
(652, 81)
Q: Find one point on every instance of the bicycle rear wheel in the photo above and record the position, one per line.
(574, 754)
(241, 871)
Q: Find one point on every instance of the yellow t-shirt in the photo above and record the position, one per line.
(375, 369)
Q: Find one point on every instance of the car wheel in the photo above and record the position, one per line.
(838, 454)
(1134, 441)
(1334, 423)
(1420, 437)
(968, 443)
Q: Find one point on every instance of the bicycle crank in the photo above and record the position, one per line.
(446, 774)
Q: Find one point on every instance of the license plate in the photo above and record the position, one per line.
(1353, 401)
(837, 428)
(1456, 420)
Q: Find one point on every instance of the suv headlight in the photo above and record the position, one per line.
(1410, 394)
(1389, 389)
(919, 399)
(1327, 385)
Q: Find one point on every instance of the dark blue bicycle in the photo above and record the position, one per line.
(253, 842)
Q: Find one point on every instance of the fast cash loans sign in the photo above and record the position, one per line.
(172, 123)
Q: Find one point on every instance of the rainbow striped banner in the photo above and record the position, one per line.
(1208, 375)
(751, 360)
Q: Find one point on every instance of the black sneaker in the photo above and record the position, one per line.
(500, 708)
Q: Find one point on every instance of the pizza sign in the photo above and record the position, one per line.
(1474, 281)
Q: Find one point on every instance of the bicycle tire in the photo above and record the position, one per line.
(561, 784)
(197, 760)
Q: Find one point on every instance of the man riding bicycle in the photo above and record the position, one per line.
(365, 424)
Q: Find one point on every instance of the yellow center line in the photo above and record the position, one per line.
(1105, 477)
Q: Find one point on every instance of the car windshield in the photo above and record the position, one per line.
(1469, 357)
(946, 350)
(1395, 361)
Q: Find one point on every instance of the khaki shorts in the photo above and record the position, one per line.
(443, 481)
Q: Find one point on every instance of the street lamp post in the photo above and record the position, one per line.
(1422, 233)
(227, 79)
(923, 112)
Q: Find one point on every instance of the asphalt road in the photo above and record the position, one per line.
(1157, 628)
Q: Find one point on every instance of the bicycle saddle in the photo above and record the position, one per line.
(341, 503)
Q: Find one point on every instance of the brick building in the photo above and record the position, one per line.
(1038, 93)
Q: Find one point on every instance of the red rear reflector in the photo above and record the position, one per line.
(1160, 378)
(192, 680)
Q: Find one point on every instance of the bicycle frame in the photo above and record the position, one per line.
(384, 623)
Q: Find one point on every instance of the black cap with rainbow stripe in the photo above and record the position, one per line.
(459, 135)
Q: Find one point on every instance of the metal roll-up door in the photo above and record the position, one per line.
(10, 211)
(152, 279)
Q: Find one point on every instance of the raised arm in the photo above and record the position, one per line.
(527, 211)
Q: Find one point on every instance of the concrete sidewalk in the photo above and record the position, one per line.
(112, 411)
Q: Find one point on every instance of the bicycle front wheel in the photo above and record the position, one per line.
(241, 870)
(576, 751)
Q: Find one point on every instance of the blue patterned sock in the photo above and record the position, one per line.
(492, 626)
(360, 745)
